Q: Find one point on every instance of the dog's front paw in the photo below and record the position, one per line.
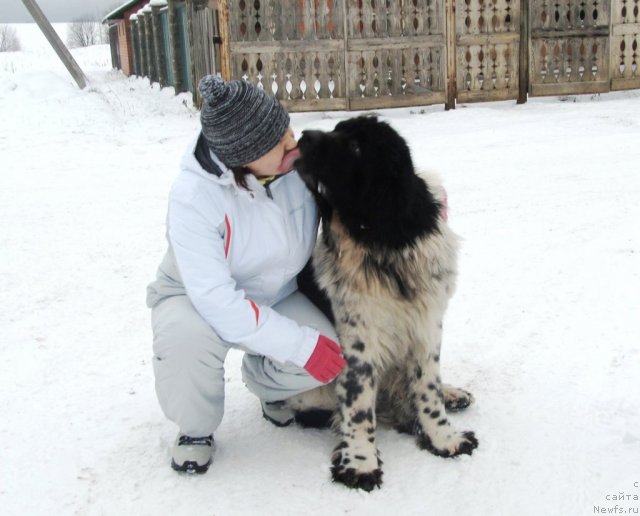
(357, 479)
(343, 471)
(451, 445)
(456, 399)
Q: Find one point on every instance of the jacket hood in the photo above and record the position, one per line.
(199, 160)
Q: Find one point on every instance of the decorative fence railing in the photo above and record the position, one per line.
(361, 54)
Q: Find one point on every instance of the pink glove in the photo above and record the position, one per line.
(326, 362)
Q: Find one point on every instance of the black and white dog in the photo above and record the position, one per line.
(386, 259)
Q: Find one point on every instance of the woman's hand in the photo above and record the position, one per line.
(326, 362)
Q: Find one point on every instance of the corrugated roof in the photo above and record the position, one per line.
(117, 13)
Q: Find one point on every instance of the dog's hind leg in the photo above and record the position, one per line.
(314, 408)
(433, 429)
(456, 399)
(355, 460)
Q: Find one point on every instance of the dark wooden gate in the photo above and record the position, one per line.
(114, 46)
(203, 41)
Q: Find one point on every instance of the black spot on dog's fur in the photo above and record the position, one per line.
(352, 382)
(361, 415)
(353, 389)
(377, 267)
(316, 418)
(363, 369)
(358, 346)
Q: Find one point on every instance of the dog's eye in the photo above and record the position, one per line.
(354, 147)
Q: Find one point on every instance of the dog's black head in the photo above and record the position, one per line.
(362, 171)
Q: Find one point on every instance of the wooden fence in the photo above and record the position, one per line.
(174, 44)
(362, 54)
(359, 54)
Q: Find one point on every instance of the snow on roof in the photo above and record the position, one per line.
(119, 12)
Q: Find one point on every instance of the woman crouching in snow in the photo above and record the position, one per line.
(240, 227)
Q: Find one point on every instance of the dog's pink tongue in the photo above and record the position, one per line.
(288, 160)
(444, 207)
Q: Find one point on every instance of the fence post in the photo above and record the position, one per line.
(148, 22)
(158, 46)
(523, 78)
(134, 29)
(450, 27)
(194, 80)
(347, 71)
(225, 37)
(612, 59)
(174, 41)
(142, 41)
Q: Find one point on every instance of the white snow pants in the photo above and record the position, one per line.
(189, 356)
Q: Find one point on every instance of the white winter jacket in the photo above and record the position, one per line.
(236, 252)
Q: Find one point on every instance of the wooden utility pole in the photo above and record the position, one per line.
(523, 78)
(57, 44)
(452, 84)
(225, 36)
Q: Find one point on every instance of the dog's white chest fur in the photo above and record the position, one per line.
(388, 298)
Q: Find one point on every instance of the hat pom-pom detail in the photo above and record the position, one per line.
(212, 88)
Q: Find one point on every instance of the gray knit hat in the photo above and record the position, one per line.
(240, 122)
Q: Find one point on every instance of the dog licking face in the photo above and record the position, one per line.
(362, 171)
(387, 261)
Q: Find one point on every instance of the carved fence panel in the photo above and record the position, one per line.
(625, 42)
(487, 49)
(292, 48)
(396, 53)
(392, 54)
(569, 47)
(362, 54)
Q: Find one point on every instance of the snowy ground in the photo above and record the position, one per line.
(544, 328)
